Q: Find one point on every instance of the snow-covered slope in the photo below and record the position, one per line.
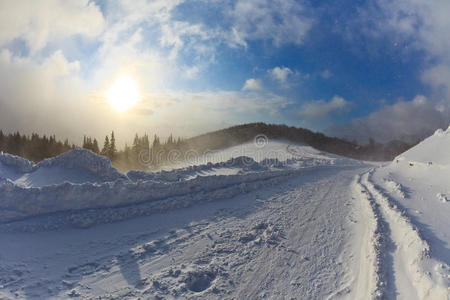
(412, 196)
(259, 150)
(434, 149)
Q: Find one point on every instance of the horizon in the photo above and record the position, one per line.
(208, 149)
(355, 71)
(127, 141)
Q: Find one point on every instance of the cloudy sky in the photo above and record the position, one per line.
(349, 68)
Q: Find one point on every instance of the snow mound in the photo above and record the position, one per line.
(83, 159)
(432, 150)
(76, 166)
(11, 164)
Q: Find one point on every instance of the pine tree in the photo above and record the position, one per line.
(112, 147)
(105, 150)
(156, 143)
(126, 152)
(135, 147)
(95, 147)
(2, 140)
(145, 142)
(170, 140)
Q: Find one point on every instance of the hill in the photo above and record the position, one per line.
(240, 134)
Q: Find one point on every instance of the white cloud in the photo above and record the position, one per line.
(49, 97)
(64, 93)
(43, 96)
(427, 23)
(424, 26)
(252, 84)
(236, 39)
(281, 74)
(41, 22)
(203, 111)
(406, 120)
(321, 109)
(280, 21)
(191, 72)
(185, 36)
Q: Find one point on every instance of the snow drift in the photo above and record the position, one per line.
(76, 166)
(433, 150)
(80, 179)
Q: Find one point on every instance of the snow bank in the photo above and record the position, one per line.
(413, 194)
(87, 160)
(433, 150)
(12, 166)
(18, 202)
(80, 179)
(244, 164)
(428, 163)
(95, 184)
(76, 166)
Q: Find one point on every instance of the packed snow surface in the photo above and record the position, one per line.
(263, 220)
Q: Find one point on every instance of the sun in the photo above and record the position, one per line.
(123, 94)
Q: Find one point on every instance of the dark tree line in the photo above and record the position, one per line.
(91, 144)
(144, 152)
(151, 152)
(140, 155)
(33, 147)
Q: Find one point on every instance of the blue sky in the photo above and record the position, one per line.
(349, 68)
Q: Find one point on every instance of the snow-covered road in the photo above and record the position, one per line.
(308, 226)
(405, 267)
(292, 241)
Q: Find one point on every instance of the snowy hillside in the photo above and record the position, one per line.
(267, 220)
(265, 149)
(434, 149)
(414, 193)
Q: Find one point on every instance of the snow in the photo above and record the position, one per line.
(268, 220)
(80, 179)
(258, 151)
(412, 191)
(274, 242)
(76, 166)
(433, 150)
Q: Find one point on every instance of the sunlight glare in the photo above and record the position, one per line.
(123, 94)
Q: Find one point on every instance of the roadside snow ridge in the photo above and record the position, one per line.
(433, 150)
